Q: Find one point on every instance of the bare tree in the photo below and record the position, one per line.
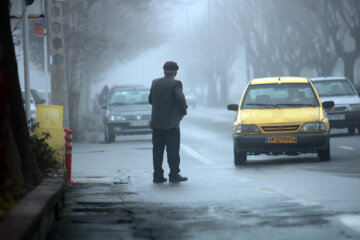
(212, 50)
(99, 34)
(279, 36)
(341, 21)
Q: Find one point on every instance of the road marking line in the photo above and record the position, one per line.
(346, 147)
(352, 221)
(188, 150)
(304, 202)
(268, 190)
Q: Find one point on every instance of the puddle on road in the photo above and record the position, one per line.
(103, 180)
(268, 190)
(304, 202)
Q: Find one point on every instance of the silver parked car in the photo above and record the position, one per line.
(127, 112)
(346, 112)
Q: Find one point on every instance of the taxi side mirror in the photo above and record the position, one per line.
(328, 104)
(232, 107)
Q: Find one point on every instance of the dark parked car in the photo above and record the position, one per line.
(346, 112)
(127, 112)
(37, 97)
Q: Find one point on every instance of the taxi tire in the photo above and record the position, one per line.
(324, 155)
(109, 135)
(239, 158)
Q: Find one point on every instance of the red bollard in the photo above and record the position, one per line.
(68, 154)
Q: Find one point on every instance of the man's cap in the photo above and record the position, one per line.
(171, 66)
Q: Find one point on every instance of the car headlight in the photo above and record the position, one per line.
(112, 117)
(247, 129)
(311, 127)
(354, 107)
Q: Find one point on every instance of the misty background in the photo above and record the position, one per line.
(219, 45)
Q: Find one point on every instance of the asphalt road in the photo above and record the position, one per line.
(269, 198)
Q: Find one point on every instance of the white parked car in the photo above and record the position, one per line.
(346, 112)
(32, 108)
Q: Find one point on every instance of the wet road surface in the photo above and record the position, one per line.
(271, 197)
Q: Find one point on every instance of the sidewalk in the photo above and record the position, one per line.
(100, 206)
(32, 217)
(97, 210)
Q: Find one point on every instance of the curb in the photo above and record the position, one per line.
(33, 216)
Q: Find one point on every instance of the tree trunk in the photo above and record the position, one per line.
(76, 18)
(212, 93)
(224, 88)
(327, 66)
(349, 65)
(74, 92)
(19, 170)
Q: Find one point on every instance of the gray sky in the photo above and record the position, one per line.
(148, 65)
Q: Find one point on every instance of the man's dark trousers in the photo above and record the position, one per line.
(169, 138)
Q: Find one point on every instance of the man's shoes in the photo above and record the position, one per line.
(177, 178)
(159, 180)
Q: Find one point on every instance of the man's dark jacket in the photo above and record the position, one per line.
(168, 103)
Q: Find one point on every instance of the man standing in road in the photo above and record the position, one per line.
(168, 109)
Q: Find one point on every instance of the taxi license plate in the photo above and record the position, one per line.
(336, 116)
(139, 123)
(281, 139)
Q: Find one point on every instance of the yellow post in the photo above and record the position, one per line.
(49, 119)
(49, 116)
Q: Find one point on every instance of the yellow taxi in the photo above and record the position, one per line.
(282, 115)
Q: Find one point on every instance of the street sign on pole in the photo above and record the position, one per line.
(39, 30)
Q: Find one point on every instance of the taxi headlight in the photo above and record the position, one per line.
(247, 129)
(354, 107)
(316, 126)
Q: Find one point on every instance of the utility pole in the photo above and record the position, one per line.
(25, 33)
(46, 66)
(56, 39)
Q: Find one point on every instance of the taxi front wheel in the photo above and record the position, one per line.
(239, 158)
(324, 155)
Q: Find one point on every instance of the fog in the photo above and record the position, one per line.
(148, 65)
(182, 22)
(182, 18)
(219, 45)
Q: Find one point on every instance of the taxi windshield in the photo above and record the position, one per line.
(283, 95)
